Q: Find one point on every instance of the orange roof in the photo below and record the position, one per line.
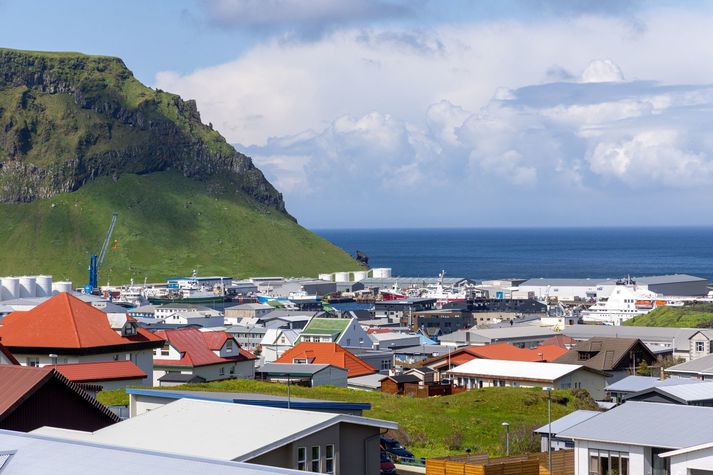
(100, 371)
(196, 347)
(498, 351)
(65, 322)
(327, 353)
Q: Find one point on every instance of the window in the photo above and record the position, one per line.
(229, 346)
(315, 459)
(301, 458)
(165, 349)
(221, 371)
(385, 364)
(299, 360)
(34, 362)
(700, 346)
(608, 462)
(329, 459)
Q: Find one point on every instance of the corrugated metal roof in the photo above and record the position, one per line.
(100, 371)
(327, 353)
(648, 424)
(35, 453)
(702, 365)
(570, 420)
(515, 369)
(292, 368)
(633, 384)
(690, 392)
(225, 425)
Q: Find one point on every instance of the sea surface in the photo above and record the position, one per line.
(545, 252)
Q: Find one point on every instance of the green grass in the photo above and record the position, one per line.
(689, 316)
(167, 225)
(432, 427)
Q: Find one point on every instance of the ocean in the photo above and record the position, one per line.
(491, 253)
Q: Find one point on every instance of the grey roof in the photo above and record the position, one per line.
(34, 453)
(675, 336)
(664, 279)
(541, 281)
(370, 381)
(293, 369)
(487, 335)
(430, 350)
(641, 423)
(703, 365)
(634, 384)
(245, 329)
(570, 420)
(688, 393)
(109, 307)
(181, 378)
(404, 282)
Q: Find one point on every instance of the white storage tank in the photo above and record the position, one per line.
(44, 285)
(360, 275)
(327, 277)
(382, 273)
(28, 286)
(341, 277)
(58, 287)
(10, 288)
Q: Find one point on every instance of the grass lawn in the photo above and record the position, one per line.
(689, 316)
(435, 426)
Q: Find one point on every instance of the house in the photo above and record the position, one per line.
(695, 394)
(194, 318)
(440, 322)
(276, 341)
(395, 384)
(393, 340)
(494, 351)
(383, 360)
(524, 336)
(33, 453)
(106, 374)
(303, 440)
(701, 369)
(63, 329)
(191, 355)
(145, 400)
(236, 313)
(481, 373)
(638, 438)
(6, 357)
(247, 336)
(309, 375)
(35, 397)
(560, 425)
(326, 353)
(177, 309)
(416, 354)
(620, 357)
(345, 332)
(633, 384)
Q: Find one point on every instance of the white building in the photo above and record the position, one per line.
(276, 341)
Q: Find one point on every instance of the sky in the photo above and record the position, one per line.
(425, 113)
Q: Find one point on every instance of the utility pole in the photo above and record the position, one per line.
(549, 428)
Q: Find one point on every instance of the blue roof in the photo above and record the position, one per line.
(254, 399)
(424, 340)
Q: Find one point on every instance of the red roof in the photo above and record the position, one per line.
(101, 371)
(20, 382)
(327, 353)
(196, 348)
(65, 322)
(498, 351)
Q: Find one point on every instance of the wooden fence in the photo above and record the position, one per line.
(480, 464)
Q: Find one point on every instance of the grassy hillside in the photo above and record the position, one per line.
(688, 316)
(167, 225)
(435, 426)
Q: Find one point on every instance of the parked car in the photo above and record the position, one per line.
(394, 447)
(387, 466)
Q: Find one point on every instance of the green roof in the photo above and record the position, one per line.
(326, 326)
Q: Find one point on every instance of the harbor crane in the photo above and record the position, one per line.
(96, 262)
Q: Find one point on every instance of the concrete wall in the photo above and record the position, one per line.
(638, 461)
(360, 457)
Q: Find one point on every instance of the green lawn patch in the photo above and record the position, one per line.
(697, 315)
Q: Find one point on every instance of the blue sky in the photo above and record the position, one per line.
(390, 113)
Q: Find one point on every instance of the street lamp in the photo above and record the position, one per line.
(507, 438)
(549, 428)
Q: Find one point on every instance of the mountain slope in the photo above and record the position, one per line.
(81, 138)
(167, 224)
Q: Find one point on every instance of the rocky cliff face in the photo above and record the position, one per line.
(67, 118)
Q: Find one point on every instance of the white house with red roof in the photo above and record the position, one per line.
(65, 330)
(190, 355)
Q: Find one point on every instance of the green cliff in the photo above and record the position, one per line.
(81, 138)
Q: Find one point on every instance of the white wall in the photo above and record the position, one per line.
(638, 463)
(698, 460)
(355, 336)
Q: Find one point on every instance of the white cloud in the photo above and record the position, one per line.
(602, 70)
